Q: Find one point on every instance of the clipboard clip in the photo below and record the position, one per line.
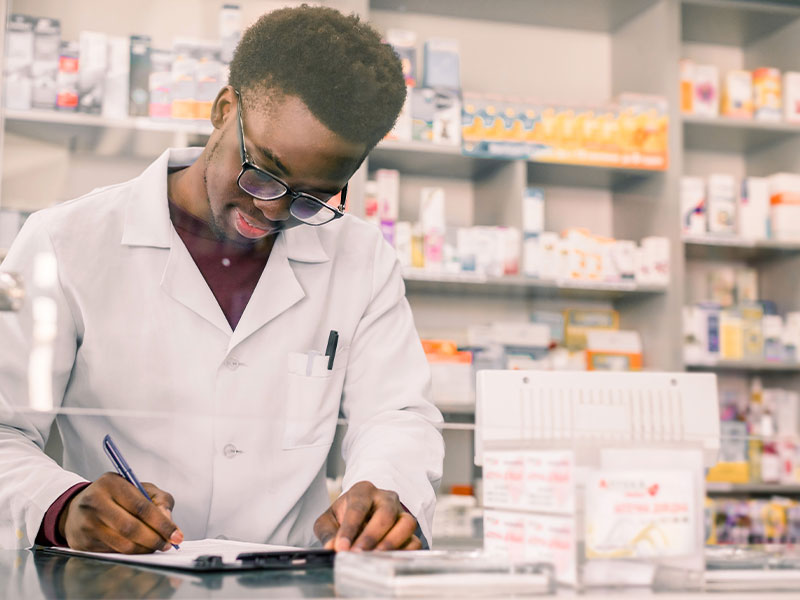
(299, 559)
(208, 561)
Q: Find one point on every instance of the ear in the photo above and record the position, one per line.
(224, 105)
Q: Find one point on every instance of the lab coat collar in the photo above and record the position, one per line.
(147, 220)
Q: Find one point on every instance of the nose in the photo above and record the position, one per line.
(274, 210)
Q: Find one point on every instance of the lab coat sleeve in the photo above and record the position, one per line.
(393, 438)
(29, 480)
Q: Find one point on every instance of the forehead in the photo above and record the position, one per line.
(286, 128)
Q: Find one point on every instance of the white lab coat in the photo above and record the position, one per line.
(222, 424)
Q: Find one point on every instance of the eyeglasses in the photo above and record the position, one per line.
(263, 185)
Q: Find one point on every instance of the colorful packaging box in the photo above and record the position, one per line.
(687, 86)
(159, 84)
(784, 190)
(67, 79)
(737, 95)
(767, 94)
(139, 76)
(404, 43)
(693, 206)
(706, 91)
(578, 322)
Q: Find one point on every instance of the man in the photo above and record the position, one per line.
(197, 295)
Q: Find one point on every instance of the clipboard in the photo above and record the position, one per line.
(275, 560)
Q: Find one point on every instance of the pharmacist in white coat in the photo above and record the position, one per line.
(230, 417)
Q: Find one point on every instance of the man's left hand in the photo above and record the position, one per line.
(366, 518)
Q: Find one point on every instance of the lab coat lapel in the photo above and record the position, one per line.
(278, 289)
(183, 281)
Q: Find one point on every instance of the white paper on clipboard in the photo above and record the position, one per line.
(185, 557)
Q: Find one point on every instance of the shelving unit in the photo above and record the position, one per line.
(746, 366)
(752, 489)
(725, 134)
(422, 281)
(737, 249)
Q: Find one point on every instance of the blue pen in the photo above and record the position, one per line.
(124, 469)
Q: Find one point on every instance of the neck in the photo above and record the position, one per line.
(185, 188)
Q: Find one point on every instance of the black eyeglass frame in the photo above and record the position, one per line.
(248, 165)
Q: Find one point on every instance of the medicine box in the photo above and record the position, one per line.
(46, 46)
(721, 204)
(753, 209)
(791, 97)
(693, 205)
(737, 95)
(92, 71)
(784, 190)
(706, 91)
(767, 94)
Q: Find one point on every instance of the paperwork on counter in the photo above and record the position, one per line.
(215, 555)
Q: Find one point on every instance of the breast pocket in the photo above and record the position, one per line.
(313, 398)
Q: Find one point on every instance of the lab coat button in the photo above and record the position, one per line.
(232, 363)
(230, 451)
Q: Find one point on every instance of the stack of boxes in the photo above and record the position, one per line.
(115, 76)
(432, 112)
(487, 251)
(630, 133)
(763, 94)
(758, 208)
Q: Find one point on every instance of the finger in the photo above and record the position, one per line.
(355, 515)
(159, 497)
(414, 544)
(129, 498)
(131, 527)
(116, 542)
(400, 534)
(325, 529)
(382, 521)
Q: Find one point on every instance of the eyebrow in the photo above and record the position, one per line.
(266, 152)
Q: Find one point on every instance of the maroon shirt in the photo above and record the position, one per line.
(231, 271)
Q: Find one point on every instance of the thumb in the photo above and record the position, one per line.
(325, 529)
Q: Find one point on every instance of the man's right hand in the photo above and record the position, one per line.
(111, 515)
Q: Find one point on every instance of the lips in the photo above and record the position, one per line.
(247, 228)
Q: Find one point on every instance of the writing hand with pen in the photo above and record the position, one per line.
(111, 515)
(117, 513)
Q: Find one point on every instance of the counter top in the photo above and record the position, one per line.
(32, 576)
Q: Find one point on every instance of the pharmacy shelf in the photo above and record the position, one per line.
(733, 22)
(745, 489)
(756, 366)
(74, 119)
(587, 15)
(425, 158)
(724, 134)
(423, 281)
(734, 248)
(435, 160)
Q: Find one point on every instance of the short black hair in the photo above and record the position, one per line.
(337, 65)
